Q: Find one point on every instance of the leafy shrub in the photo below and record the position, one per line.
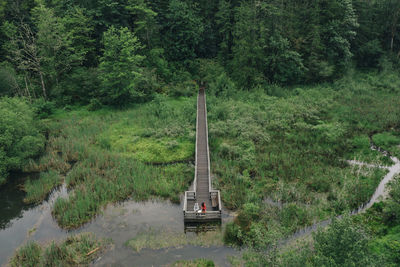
(250, 212)
(8, 80)
(94, 104)
(187, 88)
(293, 216)
(342, 244)
(391, 211)
(386, 140)
(222, 86)
(20, 139)
(232, 234)
(43, 108)
(319, 184)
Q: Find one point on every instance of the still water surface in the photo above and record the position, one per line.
(20, 223)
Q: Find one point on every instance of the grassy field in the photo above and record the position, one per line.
(79, 250)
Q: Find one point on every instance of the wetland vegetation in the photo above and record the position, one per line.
(99, 97)
(78, 250)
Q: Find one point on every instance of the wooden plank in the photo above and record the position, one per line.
(202, 181)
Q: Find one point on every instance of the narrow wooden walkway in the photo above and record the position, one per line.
(202, 182)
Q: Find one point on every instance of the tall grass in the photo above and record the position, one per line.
(38, 189)
(292, 149)
(28, 255)
(78, 250)
(115, 156)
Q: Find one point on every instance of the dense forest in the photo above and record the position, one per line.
(117, 52)
(100, 95)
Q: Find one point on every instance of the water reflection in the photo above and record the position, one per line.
(11, 198)
(120, 222)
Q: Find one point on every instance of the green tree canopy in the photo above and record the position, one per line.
(120, 67)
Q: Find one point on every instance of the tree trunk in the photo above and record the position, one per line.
(391, 42)
(27, 89)
(43, 86)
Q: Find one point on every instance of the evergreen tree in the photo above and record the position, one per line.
(120, 67)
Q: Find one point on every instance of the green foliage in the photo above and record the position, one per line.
(43, 108)
(20, 138)
(392, 209)
(388, 247)
(292, 150)
(8, 81)
(108, 151)
(388, 141)
(232, 234)
(342, 244)
(72, 251)
(183, 30)
(121, 67)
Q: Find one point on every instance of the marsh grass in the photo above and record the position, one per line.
(38, 189)
(159, 239)
(113, 155)
(27, 255)
(293, 149)
(74, 251)
(194, 263)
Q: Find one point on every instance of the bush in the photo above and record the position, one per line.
(232, 234)
(94, 104)
(391, 211)
(20, 139)
(342, 244)
(43, 108)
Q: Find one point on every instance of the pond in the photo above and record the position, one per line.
(120, 222)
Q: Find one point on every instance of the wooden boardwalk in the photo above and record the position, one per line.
(202, 188)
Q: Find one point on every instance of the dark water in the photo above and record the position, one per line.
(11, 205)
(121, 222)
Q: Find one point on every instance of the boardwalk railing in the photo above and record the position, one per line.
(202, 193)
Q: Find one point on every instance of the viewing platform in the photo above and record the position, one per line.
(202, 187)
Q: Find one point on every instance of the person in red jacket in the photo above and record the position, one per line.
(203, 207)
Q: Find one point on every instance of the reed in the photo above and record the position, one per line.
(113, 156)
(76, 250)
(38, 189)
